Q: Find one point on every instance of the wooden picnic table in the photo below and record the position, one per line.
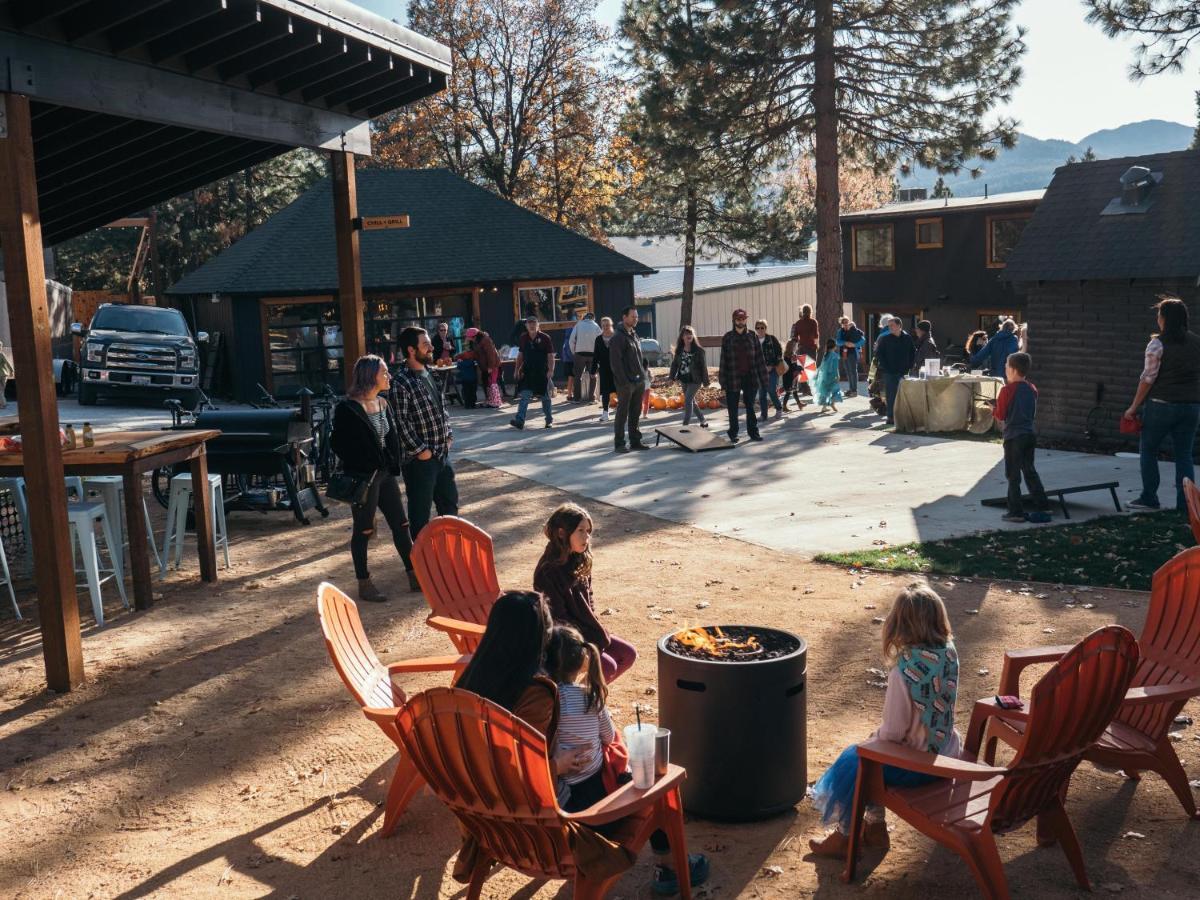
(131, 454)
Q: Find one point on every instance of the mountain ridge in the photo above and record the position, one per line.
(1031, 163)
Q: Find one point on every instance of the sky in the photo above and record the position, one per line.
(1075, 78)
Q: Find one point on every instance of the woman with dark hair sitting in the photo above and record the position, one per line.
(1168, 395)
(366, 439)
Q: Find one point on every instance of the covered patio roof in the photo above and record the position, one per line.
(109, 106)
(137, 101)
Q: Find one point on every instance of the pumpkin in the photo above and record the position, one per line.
(657, 402)
(677, 402)
(612, 398)
(714, 404)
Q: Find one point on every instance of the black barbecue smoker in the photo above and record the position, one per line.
(738, 725)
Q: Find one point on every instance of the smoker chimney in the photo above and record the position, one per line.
(1135, 185)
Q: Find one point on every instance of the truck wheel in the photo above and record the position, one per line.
(87, 394)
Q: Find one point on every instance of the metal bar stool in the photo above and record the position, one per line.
(177, 510)
(111, 489)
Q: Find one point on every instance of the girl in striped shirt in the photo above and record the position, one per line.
(583, 721)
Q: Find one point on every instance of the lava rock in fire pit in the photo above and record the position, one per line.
(733, 642)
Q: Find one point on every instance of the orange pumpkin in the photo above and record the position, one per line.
(675, 402)
(714, 404)
(612, 398)
(657, 402)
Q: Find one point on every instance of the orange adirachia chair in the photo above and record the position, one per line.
(1191, 495)
(1138, 740)
(371, 683)
(491, 769)
(1067, 711)
(456, 567)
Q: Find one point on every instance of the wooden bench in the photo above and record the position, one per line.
(1061, 494)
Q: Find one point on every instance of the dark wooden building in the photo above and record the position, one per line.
(467, 258)
(1108, 238)
(937, 259)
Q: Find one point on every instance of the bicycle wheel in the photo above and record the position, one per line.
(160, 484)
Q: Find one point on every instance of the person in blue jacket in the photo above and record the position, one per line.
(998, 349)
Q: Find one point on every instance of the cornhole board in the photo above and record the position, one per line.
(693, 438)
(1061, 494)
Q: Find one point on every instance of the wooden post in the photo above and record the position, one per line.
(350, 293)
(29, 320)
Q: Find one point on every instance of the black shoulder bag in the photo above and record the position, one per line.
(346, 488)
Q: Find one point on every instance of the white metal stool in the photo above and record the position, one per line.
(111, 489)
(8, 579)
(177, 510)
(16, 487)
(83, 517)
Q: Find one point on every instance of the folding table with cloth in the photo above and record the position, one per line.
(947, 403)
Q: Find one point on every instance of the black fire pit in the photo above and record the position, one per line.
(733, 697)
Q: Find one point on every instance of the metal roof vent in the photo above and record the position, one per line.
(1137, 184)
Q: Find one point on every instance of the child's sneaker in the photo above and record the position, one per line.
(1040, 517)
(1014, 517)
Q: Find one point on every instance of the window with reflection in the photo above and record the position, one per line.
(874, 247)
(390, 313)
(564, 302)
(304, 347)
(1003, 232)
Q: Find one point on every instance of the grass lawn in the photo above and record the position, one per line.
(1112, 551)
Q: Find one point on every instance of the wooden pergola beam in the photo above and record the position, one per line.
(350, 295)
(29, 320)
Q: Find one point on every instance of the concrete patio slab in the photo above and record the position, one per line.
(816, 483)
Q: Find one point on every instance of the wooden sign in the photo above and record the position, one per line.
(374, 223)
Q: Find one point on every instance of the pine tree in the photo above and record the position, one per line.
(1196, 133)
(1089, 155)
(941, 189)
(875, 83)
(691, 187)
(1167, 28)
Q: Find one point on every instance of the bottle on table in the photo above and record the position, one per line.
(71, 440)
(89, 439)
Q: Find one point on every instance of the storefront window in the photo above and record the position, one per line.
(304, 347)
(389, 314)
(566, 302)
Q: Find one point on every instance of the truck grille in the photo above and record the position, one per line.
(140, 356)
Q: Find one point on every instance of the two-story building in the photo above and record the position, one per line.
(937, 259)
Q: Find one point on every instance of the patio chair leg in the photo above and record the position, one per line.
(1058, 821)
(1176, 778)
(406, 781)
(984, 859)
(479, 874)
(854, 838)
(672, 816)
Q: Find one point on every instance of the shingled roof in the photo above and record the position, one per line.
(459, 234)
(1068, 238)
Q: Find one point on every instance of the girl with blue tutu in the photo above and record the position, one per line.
(918, 711)
(826, 384)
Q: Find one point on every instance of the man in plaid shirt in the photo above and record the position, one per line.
(743, 371)
(425, 433)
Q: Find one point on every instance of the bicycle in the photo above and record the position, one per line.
(321, 421)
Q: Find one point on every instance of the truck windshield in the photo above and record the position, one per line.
(141, 318)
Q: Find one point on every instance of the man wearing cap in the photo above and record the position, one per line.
(583, 344)
(535, 365)
(743, 371)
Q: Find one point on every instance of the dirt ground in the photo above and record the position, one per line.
(215, 753)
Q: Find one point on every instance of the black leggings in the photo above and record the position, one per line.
(384, 496)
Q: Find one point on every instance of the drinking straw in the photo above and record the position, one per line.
(637, 711)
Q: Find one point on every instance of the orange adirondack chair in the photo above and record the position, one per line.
(491, 769)
(456, 566)
(1169, 675)
(1191, 495)
(1067, 711)
(371, 684)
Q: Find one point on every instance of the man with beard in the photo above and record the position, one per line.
(743, 371)
(425, 434)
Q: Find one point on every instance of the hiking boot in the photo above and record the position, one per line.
(756, 437)
(368, 593)
(621, 448)
(639, 446)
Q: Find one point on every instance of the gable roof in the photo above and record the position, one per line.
(669, 283)
(945, 204)
(1069, 239)
(459, 233)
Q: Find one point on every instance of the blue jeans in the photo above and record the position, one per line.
(891, 387)
(1179, 422)
(770, 393)
(523, 405)
(850, 360)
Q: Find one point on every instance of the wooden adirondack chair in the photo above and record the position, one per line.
(491, 769)
(456, 566)
(1191, 495)
(1067, 711)
(1137, 739)
(371, 684)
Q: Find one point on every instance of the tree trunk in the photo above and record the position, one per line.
(829, 236)
(689, 260)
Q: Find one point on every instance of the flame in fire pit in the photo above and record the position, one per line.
(714, 643)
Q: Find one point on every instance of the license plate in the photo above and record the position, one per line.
(139, 379)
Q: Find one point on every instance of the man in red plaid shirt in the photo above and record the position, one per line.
(743, 371)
